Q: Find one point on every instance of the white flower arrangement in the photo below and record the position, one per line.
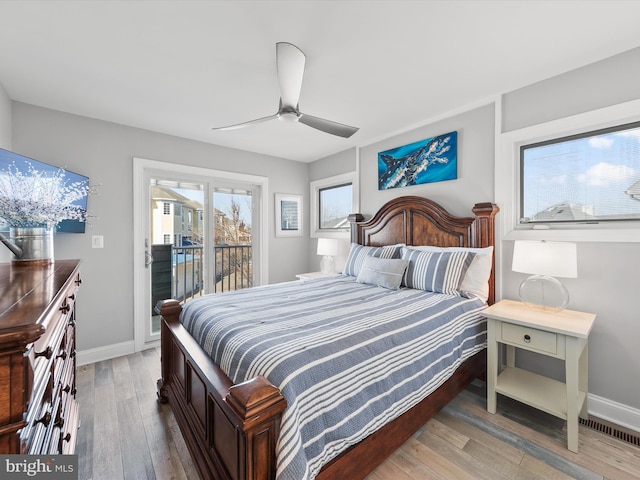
(39, 199)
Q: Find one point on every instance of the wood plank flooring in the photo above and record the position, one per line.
(125, 434)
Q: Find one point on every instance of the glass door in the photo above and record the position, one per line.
(196, 231)
(234, 237)
(176, 251)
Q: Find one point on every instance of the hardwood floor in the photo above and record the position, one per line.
(126, 434)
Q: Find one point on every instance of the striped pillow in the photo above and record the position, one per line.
(358, 253)
(439, 272)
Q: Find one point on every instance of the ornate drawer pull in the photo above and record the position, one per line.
(72, 296)
(45, 420)
(78, 281)
(65, 308)
(46, 353)
(66, 438)
(67, 389)
(59, 423)
(527, 338)
(62, 355)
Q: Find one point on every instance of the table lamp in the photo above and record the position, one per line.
(328, 247)
(545, 261)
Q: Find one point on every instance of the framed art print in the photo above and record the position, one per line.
(431, 160)
(288, 215)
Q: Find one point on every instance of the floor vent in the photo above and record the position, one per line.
(599, 426)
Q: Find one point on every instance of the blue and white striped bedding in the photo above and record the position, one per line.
(348, 357)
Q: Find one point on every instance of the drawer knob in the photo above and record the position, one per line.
(72, 296)
(527, 338)
(66, 438)
(46, 353)
(65, 308)
(78, 281)
(45, 419)
(59, 423)
(62, 355)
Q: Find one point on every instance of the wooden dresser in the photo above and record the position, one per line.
(38, 408)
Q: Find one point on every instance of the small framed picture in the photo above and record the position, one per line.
(288, 215)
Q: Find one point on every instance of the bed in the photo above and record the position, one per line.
(232, 429)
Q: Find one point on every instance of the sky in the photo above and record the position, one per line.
(593, 172)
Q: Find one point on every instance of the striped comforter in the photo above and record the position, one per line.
(348, 357)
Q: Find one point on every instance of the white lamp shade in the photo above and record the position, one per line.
(553, 259)
(327, 246)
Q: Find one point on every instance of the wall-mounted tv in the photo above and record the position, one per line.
(21, 168)
(588, 177)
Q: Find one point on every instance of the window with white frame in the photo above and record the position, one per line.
(167, 208)
(333, 199)
(587, 177)
(509, 189)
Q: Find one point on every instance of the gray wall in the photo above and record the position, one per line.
(607, 280)
(608, 82)
(337, 164)
(475, 165)
(104, 151)
(5, 120)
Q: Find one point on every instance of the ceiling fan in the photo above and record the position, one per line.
(290, 62)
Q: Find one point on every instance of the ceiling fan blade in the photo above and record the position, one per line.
(246, 124)
(328, 126)
(290, 63)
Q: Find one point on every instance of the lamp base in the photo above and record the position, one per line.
(327, 265)
(544, 292)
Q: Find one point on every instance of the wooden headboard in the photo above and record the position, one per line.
(418, 221)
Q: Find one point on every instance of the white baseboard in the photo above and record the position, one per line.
(93, 355)
(614, 412)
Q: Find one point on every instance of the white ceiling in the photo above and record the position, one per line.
(182, 67)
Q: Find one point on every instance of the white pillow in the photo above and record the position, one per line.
(476, 279)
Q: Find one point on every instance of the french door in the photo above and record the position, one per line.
(197, 231)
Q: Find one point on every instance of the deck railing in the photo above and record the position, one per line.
(234, 267)
(233, 270)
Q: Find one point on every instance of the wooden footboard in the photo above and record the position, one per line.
(232, 430)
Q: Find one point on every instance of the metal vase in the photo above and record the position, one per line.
(36, 244)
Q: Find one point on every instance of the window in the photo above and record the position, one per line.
(334, 206)
(332, 201)
(167, 239)
(167, 208)
(588, 177)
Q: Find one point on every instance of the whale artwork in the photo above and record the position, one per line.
(431, 160)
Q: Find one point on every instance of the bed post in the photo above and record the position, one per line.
(170, 311)
(483, 235)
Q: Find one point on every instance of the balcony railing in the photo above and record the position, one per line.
(234, 267)
(183, 271)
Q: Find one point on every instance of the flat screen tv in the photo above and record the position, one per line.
(13, 162)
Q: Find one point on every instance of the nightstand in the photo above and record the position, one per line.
(563, 335)
(310, 275)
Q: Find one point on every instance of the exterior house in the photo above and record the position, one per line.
(175, 219)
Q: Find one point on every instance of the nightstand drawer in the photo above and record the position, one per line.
(529, 338)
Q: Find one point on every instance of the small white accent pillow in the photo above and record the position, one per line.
(476, 280)
(359, 253)
(383, 272)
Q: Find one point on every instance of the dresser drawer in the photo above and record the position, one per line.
(529, 338)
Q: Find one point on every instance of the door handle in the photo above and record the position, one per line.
(148, 259)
